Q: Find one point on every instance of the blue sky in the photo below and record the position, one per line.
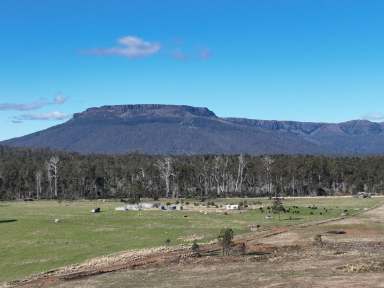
(286, 60)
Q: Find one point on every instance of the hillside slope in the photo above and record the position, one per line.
(172, 129)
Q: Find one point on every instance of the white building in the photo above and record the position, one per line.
(232, 207)
(136, 207)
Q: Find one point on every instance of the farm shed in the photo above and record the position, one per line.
(232, 207)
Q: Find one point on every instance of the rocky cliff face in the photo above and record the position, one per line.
(174, 129)
(143, 110)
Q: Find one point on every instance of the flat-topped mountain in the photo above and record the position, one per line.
(174, 129)
(143, 110)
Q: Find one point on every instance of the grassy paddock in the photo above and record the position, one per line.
(31, 242)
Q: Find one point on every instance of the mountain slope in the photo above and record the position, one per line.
(172, 129)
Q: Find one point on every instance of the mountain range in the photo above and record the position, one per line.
(179, 129)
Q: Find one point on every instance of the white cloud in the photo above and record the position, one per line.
(22, 106)
(35, 105)
(375, 116)
(14, 121)
(49, 116)
(59, 99)
(130, 47)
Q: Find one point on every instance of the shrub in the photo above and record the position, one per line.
(225, 240)
(278, 206)
(195, 248)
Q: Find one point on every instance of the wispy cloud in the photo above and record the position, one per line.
(59, 99)
(375, 116)
(130, 47)
(35, 105)
(136, 47)
(22, 106)
(183, 54)
(15, 121)
(49, 116)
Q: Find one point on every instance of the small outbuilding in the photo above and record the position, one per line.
(137, 207)
(364, 195)
(231, 207)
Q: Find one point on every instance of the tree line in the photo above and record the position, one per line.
(45, 174)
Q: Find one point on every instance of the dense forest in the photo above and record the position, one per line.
(45, 174)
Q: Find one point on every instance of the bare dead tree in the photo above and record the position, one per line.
(166, 171)
(52, 167)
(220, 174)
(240, 174)
(217, 173)
(204, 175)
(293, 185)
(38, 176)
(267, 163)
(49, 177)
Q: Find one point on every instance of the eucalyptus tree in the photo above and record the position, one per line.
(166, 171)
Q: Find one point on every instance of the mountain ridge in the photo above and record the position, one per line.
(182, 129)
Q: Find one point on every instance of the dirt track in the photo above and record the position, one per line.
(286, 257)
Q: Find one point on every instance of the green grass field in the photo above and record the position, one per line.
(30, 241)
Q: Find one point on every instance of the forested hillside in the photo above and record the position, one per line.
(178, 130)
(46, 174)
